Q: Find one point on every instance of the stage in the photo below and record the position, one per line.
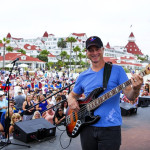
(135, 135)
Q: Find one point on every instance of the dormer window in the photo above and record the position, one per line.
(118, 61)
(29, 47)
(23, 57)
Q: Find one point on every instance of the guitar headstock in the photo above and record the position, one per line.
(147, 69)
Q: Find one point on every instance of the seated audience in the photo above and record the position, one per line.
(59, 118)
(2, 133)
(19, 100)
(43, 105)
(3, 104)
(144, 93)
(49, 114)
(64, 106)
(7, 121)
(146, 87)
(36, 115)
(35, 100)
(15, 118)
(27, 115)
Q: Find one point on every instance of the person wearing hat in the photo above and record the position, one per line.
(106, 132)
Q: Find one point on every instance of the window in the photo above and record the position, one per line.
(23, 58)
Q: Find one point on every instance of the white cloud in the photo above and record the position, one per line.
(109, 19)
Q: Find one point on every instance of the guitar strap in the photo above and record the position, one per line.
(106, 74)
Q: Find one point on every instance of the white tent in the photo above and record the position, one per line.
(23, 65)
(9, 65)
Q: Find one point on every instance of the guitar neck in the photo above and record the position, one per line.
(97, 102)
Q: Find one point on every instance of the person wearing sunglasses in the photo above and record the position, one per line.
(59, 118)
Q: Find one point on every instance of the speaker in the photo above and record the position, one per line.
(127, 109)
(36, 129)
(144, 101)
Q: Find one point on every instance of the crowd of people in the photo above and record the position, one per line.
(27, 90)
(41, 91)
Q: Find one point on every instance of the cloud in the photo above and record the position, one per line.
(109, 19)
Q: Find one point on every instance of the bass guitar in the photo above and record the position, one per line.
(75, 121)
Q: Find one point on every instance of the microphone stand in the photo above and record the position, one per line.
(55, 105)
(51, 96)
(8, 142)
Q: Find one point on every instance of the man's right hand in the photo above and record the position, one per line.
(72, 102)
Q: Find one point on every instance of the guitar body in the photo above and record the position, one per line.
(76, 121)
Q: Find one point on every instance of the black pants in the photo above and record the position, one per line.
(101, 138)
(0, 115)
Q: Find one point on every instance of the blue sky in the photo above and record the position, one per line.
(108, 19)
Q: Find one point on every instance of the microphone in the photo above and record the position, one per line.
(15, 60)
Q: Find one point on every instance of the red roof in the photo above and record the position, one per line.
(133, 48)
(43, 41)
(1, 44)
(79, 40)
(51, 55)
(131, 35)
(108, 46)
(129, 58)
(16, 38)
(51, 34)
(31, 47)
(45, 34)
(110, 59)
(114, 61)
(78, 34)
(13, 56)
(8, 36)
(16, 48)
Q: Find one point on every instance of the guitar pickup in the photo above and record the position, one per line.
(74, 117)
(68, 120)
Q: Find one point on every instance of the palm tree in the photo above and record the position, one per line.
(9, 48)
(44, 52)
(80, 55)
(61, 44)
(85, 56)
(22, 51)
(71, 40)
(76, 50)
(63, 55)
(68, 58)
(4, 41)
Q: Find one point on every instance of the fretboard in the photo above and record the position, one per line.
(98, 101)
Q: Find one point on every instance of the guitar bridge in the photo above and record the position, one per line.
(76, 128)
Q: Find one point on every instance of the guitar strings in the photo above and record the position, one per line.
(84, 108)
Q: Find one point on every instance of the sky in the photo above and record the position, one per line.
(111, 20)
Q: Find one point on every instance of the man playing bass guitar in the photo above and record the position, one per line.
(105, 134)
